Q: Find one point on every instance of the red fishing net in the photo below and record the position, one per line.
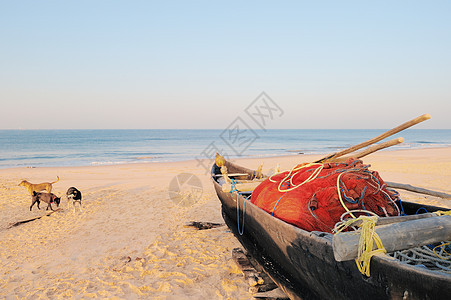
(314, 196)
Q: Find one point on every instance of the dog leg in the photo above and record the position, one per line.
(68, 201)
(32, 203)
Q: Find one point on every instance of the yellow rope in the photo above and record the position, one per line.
(443, 213)
(367, 236)
(440, 246)
(295, 170)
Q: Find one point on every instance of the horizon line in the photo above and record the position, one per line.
(259, 129)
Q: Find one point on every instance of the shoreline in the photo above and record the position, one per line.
(236, 159)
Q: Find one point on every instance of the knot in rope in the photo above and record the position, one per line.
(368, 236)
(233, 187)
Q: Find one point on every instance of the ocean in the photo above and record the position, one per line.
(49, 148)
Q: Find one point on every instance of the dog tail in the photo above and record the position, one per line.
(56, 180)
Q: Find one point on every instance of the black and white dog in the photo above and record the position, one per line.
(75, 195)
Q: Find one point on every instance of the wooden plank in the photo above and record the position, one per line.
(419, 190)
(397, 236)
(267, 286)
(268, 283)
(391, 220)
(275, 294)
(233, 175)
(241, 187)
(261, 285)
(249, 272)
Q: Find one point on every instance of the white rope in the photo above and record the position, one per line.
(424, 256)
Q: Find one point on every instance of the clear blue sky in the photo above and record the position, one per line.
(198, 64)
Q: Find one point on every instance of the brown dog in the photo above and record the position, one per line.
(48, 198)
(31, 187)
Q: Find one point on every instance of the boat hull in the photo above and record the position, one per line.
(303, 265)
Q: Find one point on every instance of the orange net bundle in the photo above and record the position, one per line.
(314, 196)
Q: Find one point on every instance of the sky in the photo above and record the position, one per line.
(200, 64)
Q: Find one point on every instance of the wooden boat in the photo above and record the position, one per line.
(302, 263)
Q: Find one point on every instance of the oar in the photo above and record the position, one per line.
(419, 190)
(378, 138)
(369, 150)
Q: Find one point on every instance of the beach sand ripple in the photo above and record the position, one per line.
(130, 241)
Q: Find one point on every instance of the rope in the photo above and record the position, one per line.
(339, 195)
(442, 249)
(240, 230)
(342, 217)
(295, 170)
(367, 236)
(426, 257)
(420, 209)
(436, 258)
(443, 213)
(233, 189)
(400, 212)
(274, 209)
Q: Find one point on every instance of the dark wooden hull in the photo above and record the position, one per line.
(303, 265)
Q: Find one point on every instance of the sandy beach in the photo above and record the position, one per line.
(130, 241)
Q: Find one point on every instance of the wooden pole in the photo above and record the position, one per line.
(369, 150)
(378, 138)
(242, 187)
(419, 190)
(397, 219)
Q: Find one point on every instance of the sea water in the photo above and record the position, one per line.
(48, 148)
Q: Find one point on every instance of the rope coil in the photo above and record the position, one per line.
(368, 237)
(293, 172)
(436, 259)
